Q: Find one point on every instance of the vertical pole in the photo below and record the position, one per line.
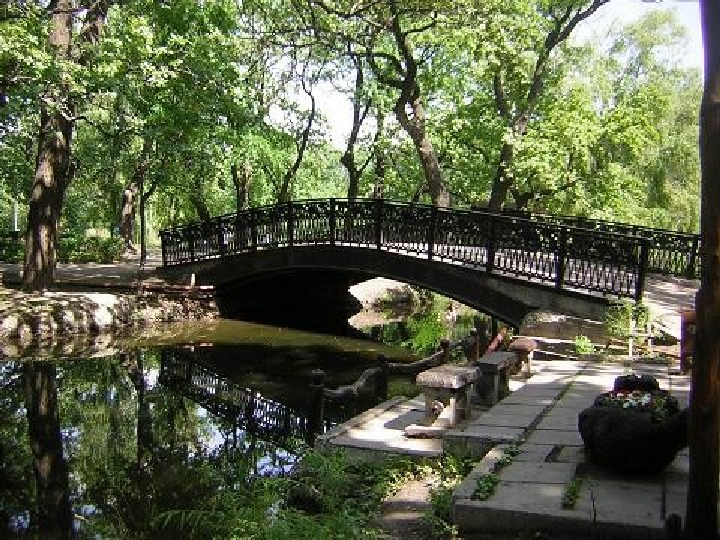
(381, 382)
(379, 210)
(560, 256)
(642, 269)
(432, 226)
(333, 222)
(317, 406)
(290, 224)
(191, 243)
(490, 250)
(445, 348)
(15, 215)
(690, 269)
(221, 238)
(163, 247)
(252, 222)
(474, 345)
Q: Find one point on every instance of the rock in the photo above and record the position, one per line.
(629, 441)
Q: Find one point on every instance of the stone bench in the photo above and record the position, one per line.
(447, 383)
(493, 382)
(523, 349)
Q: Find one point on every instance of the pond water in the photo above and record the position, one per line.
(160, 422)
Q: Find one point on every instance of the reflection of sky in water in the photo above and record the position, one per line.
(279, 462)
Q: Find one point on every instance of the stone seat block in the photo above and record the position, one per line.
(452, 377)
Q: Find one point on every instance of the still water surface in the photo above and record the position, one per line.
(161, 422)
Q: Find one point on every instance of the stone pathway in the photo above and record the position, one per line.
(531, 488)
(539, 421)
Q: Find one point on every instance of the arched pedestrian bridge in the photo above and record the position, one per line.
(504, 264)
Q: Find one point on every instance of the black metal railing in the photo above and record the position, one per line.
(537, 248)
(671, 252)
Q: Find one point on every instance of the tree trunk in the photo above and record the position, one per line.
(380, 160)
(501, 183)
(702, 498)
(284, 194)
(415, 128)
(54, 515)
(241, 182)
(52, 169)
(201, 208)
(360, 110)
(129, 200)
(127, 217)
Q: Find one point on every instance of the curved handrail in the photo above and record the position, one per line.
(554, 254)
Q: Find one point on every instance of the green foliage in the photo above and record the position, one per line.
(71, 249)
(618, 318)
(11, 250)
(572, 493)
(583, 345)
(92, 249)
(485, 486)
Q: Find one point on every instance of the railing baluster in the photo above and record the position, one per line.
(290, 224)
(642, 269)
(252, 222)
(333, 224)
(560, 256)
(432, 226)
(490, 249)
(379, 208)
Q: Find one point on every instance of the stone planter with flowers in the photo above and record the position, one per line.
(634, 429)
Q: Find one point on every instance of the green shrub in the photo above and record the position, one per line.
(11, 250)
(583, 345)
(73, 249)
(618, 317)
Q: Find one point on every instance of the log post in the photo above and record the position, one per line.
(381, 381)
(317, 406)
(445, 348)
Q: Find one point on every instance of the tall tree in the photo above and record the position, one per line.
(702, 513)
(54, 165)
(560, 20)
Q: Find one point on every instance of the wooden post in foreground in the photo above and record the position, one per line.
(702, 514)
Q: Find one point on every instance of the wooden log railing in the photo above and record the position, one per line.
(544, 251)
(375, 379)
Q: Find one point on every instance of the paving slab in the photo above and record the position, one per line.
(522, 399)
(492, 433)
(508, 420)
(508, 408)
(538, 473)
(534, 453)
(624, 503)
(555, 436)
(559, 422)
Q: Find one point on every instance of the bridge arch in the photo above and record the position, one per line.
(507, 299)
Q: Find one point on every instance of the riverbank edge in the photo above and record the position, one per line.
(29, 318)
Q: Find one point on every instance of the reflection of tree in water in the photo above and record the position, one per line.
(135, 450)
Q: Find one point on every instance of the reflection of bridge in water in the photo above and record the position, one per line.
(504, 264)
(267, 419)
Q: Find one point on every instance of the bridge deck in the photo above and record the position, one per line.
(594, 258)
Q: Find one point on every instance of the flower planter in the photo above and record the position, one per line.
(634, 429)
